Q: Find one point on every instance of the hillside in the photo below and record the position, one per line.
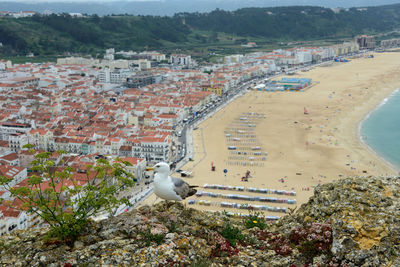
(169, 7)
(49, 35)
(297, 22)
(57, 34)
(351, 222)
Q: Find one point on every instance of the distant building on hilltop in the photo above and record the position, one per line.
(366, 42)
(77, 15)
(20, 14)
(250, 44)
(47, 12)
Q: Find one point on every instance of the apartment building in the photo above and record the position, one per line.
(180, 59)
(9, 128)
(17, 141)
(153, 149)
(390, 43)
(41, 138)
(365, 42)
(143, 79)
(115, 76)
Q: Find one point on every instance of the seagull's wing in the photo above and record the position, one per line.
(182, 188)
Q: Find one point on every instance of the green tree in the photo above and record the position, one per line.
(65, 203)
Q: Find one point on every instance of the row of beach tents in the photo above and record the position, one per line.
(249, 189)
(236, 205)
(245, 197)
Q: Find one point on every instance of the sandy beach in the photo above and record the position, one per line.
(304, 150)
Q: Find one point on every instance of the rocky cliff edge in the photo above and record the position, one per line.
(351, 222)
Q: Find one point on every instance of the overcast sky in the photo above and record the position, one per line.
(272, 2)
(169, 7)
(322, 2)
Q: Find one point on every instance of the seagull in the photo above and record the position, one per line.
(167, 187)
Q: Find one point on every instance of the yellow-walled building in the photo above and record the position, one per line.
(214, 89)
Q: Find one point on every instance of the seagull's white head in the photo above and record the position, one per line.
(162, 168)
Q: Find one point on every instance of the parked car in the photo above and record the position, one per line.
(186, 174)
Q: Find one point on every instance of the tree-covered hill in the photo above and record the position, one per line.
(297, 22)
(56, 34)
(62, 33)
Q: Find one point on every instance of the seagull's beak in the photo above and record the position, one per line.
(150, 169)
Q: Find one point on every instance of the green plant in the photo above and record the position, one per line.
(251, 240)
(312, 240)
(65, 203)
(220, 246)
(172, 227)
(201, 263)
(6, 246)
(255, 219)
(148, 237)
(232, 234)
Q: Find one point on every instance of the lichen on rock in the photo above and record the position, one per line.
(350, 222)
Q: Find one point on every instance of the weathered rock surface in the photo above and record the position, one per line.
(351, 222)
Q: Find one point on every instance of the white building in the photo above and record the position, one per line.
(116, 76)
(138, 167)
(109, 56)
(233, 59)
(8, 128)
(110, 51)
(144, 64)
(10, 158)
(11, 219)
(17, 141)
(5, 64)
(157, 57)
(180, 59)
(115, 144)
(22, 14)
(304, 57)
(17, 174)
(78, 15)
(153, 149)
(41, 139)
(4, 147)
(77, 60)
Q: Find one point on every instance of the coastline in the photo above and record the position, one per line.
(361, 137)
(304, 150)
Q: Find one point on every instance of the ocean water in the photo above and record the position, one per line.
(381, 129)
